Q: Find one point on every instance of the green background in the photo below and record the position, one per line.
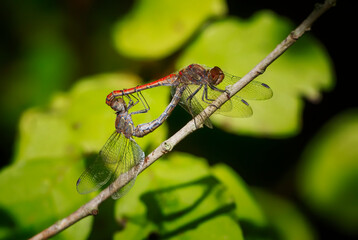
(288, 172)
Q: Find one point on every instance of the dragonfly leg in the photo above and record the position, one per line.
(216, 89)
(144, 102)
(220, 90)
(131, 103)
(204, 97)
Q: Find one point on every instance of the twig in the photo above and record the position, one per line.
(91, 208)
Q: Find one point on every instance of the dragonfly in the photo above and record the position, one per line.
(202, 86)
(121, 154)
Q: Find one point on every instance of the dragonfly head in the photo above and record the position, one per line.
(119, 105)
(217, 76)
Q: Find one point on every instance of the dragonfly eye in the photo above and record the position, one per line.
(217, 75)
(119, 105)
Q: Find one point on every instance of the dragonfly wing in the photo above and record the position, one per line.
(99, 172)
(193, 104)
(124, 190)
(240, 108)
(131, 156)
(226, 107)
(234, 107)
(254, 90)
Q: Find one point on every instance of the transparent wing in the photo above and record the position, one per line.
(99, 172)
(194, 100)
(130, 157)
(240, 108)
(255, 90)
(191, 104)
(235, 107)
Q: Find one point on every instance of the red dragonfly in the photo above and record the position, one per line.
(121, 153)
(202, 86)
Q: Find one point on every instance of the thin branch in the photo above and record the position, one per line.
(91, 208)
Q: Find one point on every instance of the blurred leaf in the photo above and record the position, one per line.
(178, 198)
(221, 227)
(247, 208)
(43, 135)
(237, 45)
(133, 231)
(285, 219)
(37, 193)
(162, 175)
(157, 28)
(328, 175)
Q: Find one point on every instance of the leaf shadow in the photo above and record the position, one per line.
(156, 215)
(252, 231)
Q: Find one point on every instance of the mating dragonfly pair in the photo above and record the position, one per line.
(194, 88)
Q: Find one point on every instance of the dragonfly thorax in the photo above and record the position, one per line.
(193, 74)
(124, 125)
(199, 75)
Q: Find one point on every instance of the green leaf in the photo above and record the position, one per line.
(37, 193)
(221, 227)
(43, 135)
(134, 231)
(328, 174)
(178, 198)
(165, 173)
(237, 46)
(247, 209)
(157, 28)
(286, 221)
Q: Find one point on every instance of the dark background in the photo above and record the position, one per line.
(82, 21)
